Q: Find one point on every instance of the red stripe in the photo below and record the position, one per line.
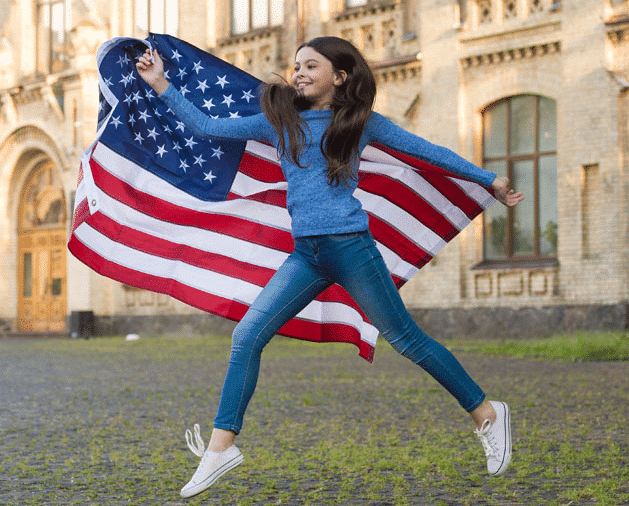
(162, 248)
(81, 213)
(301, 329)
(272, 197)
(165, 211)
(405, 198)
(435, 176)
(397, 242)
(260, 169)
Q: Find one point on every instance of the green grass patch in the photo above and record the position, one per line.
(577, 347)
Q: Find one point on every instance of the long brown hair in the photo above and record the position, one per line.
(351, 106)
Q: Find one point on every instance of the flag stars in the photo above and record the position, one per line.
(190, 143)
(197, 67)
(198, 160)
(123, 60)
(227, 100)
(234, 115)
(115, 121)
(218, 152)
(132, 119)
(180, 126)
(247, 95)
(128, 99)
(137, 97)
(177, 147)
(222, 81)
(209, 177)
(139, 138)
(153, 133)
(108, 81)
(182, 72)
(184, 89)
(144, 115)
(202, 85)
(176, 55)
(183, 165)
(161, 150)
(208, 104)
(167, 129)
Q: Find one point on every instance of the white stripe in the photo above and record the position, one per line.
(245, 186)
(211, 282)
(476, 192)
(264, 151)
(399, 219)
(203, 240)
(145, 181)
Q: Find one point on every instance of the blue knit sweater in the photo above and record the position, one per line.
(315, 207)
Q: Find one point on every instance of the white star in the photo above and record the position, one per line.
(101, 106)
(247, 95)
(153, 133)
(208, 104)
(227, 100)
(157, 113)
(202, 85)
(125, 80)
(123, 60)
(199, 160)
(184, 89)
(181, 73)
(176, 55)
(149, 94)
(144, 115)
(234, 115)
(108, 82)
(139, 138)
(209, 177)
(161, 150)
(128, 99)
(197, 67)
(213, 117)
(190, 143)
(222, 81)
(180, 126)
(183, 165)
(132, 119)
(167, 129)
(167, 74)
(217, 152)
(136, 97)
(115, 121)
(177, 147)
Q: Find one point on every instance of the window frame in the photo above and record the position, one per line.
(250, 20)
(509, 159)
(137, 29)
(45, 43)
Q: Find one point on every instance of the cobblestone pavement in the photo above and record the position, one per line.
(102, 422)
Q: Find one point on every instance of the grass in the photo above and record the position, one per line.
(577, 347)
(101, 422)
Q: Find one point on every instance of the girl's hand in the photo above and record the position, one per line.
(151, 69)
(504, 194)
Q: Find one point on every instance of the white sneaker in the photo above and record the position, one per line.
(213, 465)
(496, 439)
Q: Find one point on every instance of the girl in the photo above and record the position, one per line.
(320, 124)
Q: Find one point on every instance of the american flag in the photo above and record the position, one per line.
(205, 220)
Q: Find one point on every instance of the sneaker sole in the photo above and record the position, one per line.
(205, 484)
(506, 458)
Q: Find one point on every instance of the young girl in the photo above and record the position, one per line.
(320, 124)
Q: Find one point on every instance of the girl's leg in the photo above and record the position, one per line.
(360, 269)
(293, 286)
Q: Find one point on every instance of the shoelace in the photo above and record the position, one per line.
(198, 448)
(487, 439)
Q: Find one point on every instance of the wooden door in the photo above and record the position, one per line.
(42, 283)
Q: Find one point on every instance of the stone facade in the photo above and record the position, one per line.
(439, 67)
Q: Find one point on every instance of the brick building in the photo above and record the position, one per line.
(536, 89)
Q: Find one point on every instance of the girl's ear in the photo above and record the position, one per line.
(340, 77)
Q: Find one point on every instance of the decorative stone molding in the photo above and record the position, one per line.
(32, 137)
(525, 284)
(617, 28)
(507, 55)
(370, 9)
(398, 69)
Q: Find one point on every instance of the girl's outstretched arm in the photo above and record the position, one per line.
(384, 131)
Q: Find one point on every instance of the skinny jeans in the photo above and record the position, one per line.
(354, 262)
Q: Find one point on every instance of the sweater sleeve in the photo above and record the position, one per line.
(255, 127)
(384, 131)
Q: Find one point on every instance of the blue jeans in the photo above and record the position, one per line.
(353, 261)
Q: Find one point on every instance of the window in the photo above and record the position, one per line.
(250, 15)
(520, 142)
(156, 16)
(53, 27)
(355, 3)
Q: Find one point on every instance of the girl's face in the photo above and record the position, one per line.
(315, 78)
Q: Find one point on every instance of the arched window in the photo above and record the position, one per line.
(520, 142)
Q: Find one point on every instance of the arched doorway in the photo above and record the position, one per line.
(42, 280)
